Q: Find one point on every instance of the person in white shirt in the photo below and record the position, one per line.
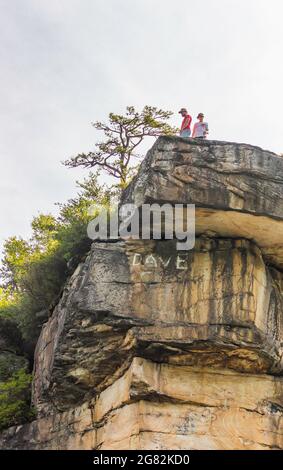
(200, 130)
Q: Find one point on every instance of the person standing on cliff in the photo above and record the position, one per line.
(186, 123)
(200, 130)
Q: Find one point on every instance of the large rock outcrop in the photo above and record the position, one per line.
(164, 406)
(237, 189)
(155, 348)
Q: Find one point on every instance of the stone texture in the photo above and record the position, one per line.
(161, 406)
(151, 348)
(217, 305)
(237, 188)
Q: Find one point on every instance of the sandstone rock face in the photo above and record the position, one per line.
(161, 406)
(237, 189)
(217, 305)
(155, 348)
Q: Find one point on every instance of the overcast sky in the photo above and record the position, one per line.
(66, 63)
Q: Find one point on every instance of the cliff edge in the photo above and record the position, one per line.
(150, 348)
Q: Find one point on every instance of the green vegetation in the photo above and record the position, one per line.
(33, 274)
(34, 271)
(15, 400)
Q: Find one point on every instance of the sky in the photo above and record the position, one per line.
(67, 63)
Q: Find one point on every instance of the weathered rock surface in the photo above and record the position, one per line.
(161, 406)
(217, 305)
(153, 348)
(237, 189)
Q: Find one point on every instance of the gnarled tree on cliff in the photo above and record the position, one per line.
(123, 135)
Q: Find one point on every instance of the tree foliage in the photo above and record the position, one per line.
(16, 251)
(34, 271)
(122, 137)
(15, 400)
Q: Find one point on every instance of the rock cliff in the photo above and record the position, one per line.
(153, 348)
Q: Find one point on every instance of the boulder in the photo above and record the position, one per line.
(151, 347)
(155, 406)
(237, 189)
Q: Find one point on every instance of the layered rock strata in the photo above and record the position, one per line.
(155, 348)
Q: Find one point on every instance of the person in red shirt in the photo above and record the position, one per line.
(186, 123)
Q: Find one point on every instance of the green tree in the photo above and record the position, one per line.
(44, 228)
(15, 400)
(33, 274)
(123, 135)
(16, 252)
(34, 271)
